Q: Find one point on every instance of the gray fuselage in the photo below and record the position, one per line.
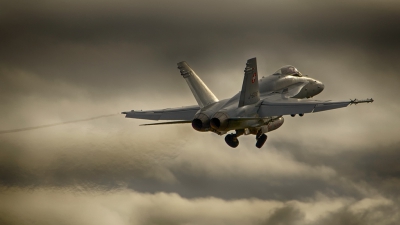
(228, 108)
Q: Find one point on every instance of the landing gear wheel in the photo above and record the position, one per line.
(232, 140)
(261, 140)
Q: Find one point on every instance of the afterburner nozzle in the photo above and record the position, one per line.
(219, 121)
(201, 122)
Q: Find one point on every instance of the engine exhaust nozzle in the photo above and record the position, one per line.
(201, 122)
(219, 121)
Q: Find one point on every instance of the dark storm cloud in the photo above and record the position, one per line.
(347, 216)
(181, 20)
(376, 165)
(64, 35)
(286, 215)
(112, 161)
(135, 208)
(69, 161)
(119, 49)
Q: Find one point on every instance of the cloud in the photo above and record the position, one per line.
(128, 207)
(111, 154)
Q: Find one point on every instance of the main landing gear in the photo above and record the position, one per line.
(261, 140)
(232, 140)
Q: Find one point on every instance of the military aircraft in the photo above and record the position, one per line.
(257, 109)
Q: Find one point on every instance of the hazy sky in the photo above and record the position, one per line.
(72, 60)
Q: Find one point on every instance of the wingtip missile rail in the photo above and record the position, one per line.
(356, 101)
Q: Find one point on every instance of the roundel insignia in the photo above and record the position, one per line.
(254, 78)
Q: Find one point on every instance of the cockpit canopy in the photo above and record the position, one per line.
(288, 70)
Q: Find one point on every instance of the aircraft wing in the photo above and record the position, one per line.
(185, 113)
(278, 105)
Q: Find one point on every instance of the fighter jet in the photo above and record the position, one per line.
(257, 109)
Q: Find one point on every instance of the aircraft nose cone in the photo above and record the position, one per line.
(320, 86)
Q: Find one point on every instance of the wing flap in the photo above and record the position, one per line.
(183, 113)
(276, 105)
(143, 115)
(330, 105)
(284, 109)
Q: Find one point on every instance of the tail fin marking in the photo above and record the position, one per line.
(250, 93)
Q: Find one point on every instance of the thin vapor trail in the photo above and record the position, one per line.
(53, 124)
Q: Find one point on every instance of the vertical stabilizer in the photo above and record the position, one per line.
(250, 93)
(200, 90)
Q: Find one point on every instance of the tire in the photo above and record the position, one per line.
(261, 140)
(231, 140)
